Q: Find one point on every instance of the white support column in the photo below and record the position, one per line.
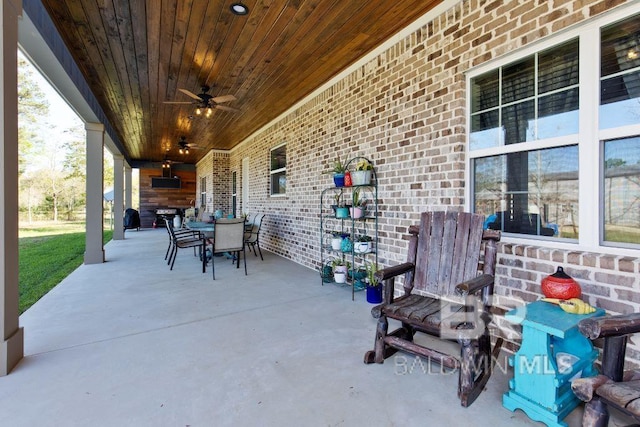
(127, 187)
(12, 339)
(118, 193)
(94, 251)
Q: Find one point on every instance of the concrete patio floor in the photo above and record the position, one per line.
(130, 343)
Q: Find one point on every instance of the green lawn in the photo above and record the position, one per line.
(47, 254)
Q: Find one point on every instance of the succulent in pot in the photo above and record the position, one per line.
(359, 204)
(363, 172)
(337, 168)
(362, 244)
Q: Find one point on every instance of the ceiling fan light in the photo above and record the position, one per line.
(181, 150)
(186, 151)
(198, 111)
(239, 9)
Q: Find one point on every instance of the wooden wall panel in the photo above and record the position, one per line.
(154, 198)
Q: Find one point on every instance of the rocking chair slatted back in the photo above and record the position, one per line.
(448, 252)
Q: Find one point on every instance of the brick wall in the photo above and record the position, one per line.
(405, 110)
(214, 167)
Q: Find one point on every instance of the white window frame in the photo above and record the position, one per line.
(203, 191)
(275, 171)
(590, 138)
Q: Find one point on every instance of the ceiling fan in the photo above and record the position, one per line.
(184, 146)
(205, 103)
(166, 163)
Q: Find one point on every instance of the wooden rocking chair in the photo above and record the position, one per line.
(445, 262)
(616, 387)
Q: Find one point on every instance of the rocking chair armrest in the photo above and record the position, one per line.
(610, 326)
(474, 285)
(585, 388)
(396, 270)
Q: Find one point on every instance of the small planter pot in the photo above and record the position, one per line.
(361, 247)
(342, 212)
(374, 294)
(340, 269)
(356, 212)
(361, 177)
(335, 243)
(338, 179)
(346, 245)
(339, 277)
(326, 273)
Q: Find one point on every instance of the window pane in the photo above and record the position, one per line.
(558, 114)
(485, 130)
(518, 122)
(533, 193)
(279, 183)
(522, 115)
(233, 182)
(485, 91)
(622, 191)
(558, 67)
(518, 81)
(620, 74)
(278, 158)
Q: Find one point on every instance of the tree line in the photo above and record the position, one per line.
(51, 156)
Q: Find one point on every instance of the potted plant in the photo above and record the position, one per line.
(340, 270)
(337, 168)
(363, 172)
(341, 210)
(358, 204)
(347, 244)
(362, 244)
(374, 288)
(359, 276)
(336, 240)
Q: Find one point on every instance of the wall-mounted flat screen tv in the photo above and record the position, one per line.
(162, 182)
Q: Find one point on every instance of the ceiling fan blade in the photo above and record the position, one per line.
(191, 94)
(223, 98)
(177, 102)
(225, 108)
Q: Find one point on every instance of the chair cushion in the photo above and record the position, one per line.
(423, 311)
(625, 395)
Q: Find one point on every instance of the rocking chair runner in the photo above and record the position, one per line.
(444, 261)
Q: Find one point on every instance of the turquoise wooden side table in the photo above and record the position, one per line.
(552, 353)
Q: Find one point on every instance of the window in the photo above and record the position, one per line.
(278, 171)
(535, 146)
(620, 74)
(619, 108)
(621, 191)
(203, 192)
(528, 191)
(234, 193)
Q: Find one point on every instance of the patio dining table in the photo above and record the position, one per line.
(206, 230)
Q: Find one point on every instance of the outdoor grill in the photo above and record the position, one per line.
(168, 213)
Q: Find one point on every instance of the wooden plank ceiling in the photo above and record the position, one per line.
(137, 54)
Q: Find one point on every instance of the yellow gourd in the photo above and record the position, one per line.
(573, 305)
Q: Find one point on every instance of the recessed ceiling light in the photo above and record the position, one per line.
(239, 9)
